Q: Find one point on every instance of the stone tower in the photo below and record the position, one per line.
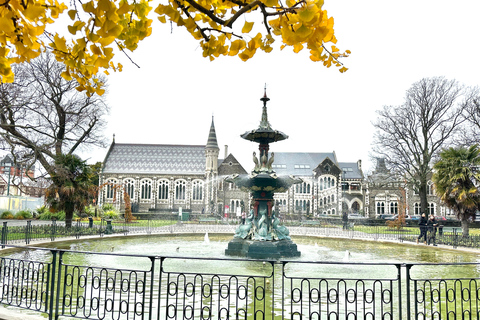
(211, 170)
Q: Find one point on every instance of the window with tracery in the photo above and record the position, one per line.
(197, 190)
(146, 189)
(129, 185)
(180, 186)
(111, 188)
(163, 190)
(380, 207)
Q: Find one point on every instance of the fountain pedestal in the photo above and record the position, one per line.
(255, 249)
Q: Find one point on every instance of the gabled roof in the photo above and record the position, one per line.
(155, 159)
(299, 163)
(229, 166)
(350, 170)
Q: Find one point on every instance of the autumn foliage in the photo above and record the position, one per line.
(98, 29)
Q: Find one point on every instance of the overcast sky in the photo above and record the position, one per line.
(171, 98)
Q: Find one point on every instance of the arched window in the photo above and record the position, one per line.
(129, 185)
(380, 207)
(180, 186)
(431, 208)
(111, 188)
(146, 189)
(329, 182)
(333, 211)
(333, 198)
(355, 207)
(197, 190)
(430, 188)
(393, 208)
(163, 190)
(308, 188)
(417, 208)
(320, 183)
(333, 182)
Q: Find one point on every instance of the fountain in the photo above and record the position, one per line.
(262, 236)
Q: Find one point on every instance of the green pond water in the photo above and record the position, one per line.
(213, 246)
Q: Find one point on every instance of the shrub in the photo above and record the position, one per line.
(110, 214)
(108, 207)
(6, 215)
(90, 210)
(23, 214)
(41, 210)
(50, 216)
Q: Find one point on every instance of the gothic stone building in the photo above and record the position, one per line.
(329, 187)
(386, 193)
(165, 178)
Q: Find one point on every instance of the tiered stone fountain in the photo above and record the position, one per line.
(262, 236)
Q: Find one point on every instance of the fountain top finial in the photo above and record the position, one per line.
(264, 133)
(264, 124)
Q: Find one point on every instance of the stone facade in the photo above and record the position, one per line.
(165, 178)
(387, 193)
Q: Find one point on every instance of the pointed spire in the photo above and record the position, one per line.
(212, 137)
(264, 124)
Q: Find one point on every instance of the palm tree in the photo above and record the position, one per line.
(71, 186)
(457, 182)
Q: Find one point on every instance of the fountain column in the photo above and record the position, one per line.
(262, 236)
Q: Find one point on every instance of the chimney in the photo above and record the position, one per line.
(359, 164)
(226, 151)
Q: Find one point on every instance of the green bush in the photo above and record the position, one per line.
(23, 214)
(41, 210)
(6, 215)
(60, 216)
(108, 207)
(90, 210)
(111, 214)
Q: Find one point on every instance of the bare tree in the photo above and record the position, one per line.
(471, 132)
(43, 116)
(409, 136)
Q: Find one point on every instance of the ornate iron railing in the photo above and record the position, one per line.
(31, 231)
(64, 285)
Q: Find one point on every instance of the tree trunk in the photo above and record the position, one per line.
(465, 228)
(68, 217)
(422, 193)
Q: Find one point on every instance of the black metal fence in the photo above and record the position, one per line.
(64, 286)
(354, 229)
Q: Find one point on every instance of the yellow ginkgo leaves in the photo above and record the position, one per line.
(97, 28)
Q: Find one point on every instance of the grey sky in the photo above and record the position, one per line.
(170, 99)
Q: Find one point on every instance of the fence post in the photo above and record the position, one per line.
(28, 231)
(4, 234)
(54, 230)
(77, 232)
(51, 294)
(455, 238)
(152, 275)
(57, 291)
(407, 281)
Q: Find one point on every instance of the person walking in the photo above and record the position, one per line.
(431, 230)
(422, 224)
(345, 220)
